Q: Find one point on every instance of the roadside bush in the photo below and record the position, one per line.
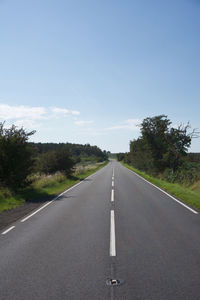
(53, 161)
(187, 174)
(46, 163)
(16, 156)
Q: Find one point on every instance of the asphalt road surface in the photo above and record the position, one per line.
(113, 236)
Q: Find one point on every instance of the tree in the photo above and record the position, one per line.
(178, 141)
(16, 156)
(154, 131)
(160, 145)
(140, 155)
(64, 162)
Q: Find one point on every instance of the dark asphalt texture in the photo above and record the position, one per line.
(62, 252)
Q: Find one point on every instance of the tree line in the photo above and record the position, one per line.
(76, 151)
(19, 158)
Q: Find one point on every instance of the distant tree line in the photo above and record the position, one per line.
(161, 148)
(52, 157)
(20, 158)
(121, 156)
(76, 151)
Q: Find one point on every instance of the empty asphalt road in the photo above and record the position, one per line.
(113, 236)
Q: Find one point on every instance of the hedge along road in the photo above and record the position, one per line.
(114, 236)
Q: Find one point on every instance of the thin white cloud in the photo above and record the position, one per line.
(58, 110)
(75, 112)
(64, 111)
(82, 122)
(8, 112)
(29, 116)
(130, 124)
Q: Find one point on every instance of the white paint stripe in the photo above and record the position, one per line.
(189, 208)
(112, 183)
(9, 229)
(35, 212)
(45, 205)
(112, 234)
(112, 196)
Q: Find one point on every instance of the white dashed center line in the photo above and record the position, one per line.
(112, 234)
(112, 195)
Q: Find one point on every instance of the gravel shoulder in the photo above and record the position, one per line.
(10, 216)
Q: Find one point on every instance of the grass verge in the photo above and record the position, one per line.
(187, 195)
(45, 187)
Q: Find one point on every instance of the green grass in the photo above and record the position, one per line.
(190, 196)
(8, 201)
(196, 187)
(44, 188)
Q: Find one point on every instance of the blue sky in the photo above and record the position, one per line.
(89, 71)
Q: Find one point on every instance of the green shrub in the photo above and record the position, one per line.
(187, 174)
(16, 156)
(54, 161)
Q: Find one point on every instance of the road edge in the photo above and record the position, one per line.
(37, 206)
(195, 211)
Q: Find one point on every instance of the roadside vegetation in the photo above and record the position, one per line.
(44, 187)
(161, 156)
(36, 172)
(186, 194)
